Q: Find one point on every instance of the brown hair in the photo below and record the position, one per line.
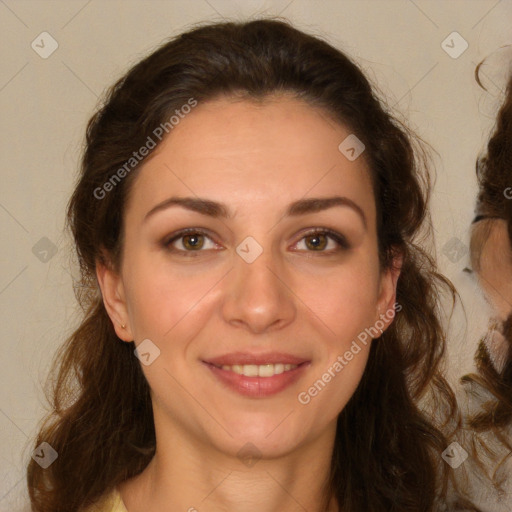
(494, 167)
(494, 174)
(387, 449)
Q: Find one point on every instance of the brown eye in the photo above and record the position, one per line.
(193, 242)
(189, 241)
(318, 241)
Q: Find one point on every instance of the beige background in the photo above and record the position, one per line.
(45, 104)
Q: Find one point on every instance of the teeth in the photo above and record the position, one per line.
(262, 370)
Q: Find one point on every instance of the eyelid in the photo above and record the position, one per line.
(340, 239)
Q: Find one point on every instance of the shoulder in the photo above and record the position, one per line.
(109, 502)
(485, 476)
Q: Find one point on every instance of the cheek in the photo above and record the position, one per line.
(491, 279)
(162, 301)
(334, 382)
(344, 299)
(167, 300)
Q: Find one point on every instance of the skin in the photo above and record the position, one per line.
(255, 158)
(492, 261)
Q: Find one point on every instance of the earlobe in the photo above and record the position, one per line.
(112, 291)
(387, 296)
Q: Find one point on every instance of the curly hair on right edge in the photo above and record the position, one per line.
(388, 444)
(494, 174)
(494, 167)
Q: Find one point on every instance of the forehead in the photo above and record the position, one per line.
(269, 153)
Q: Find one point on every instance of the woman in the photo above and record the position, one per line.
(246, 218)
(489, 420)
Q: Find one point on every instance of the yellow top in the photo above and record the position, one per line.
(111, 502)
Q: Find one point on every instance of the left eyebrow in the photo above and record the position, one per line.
(220, 210)
(313, 205)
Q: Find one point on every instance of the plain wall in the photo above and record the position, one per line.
(45, 104)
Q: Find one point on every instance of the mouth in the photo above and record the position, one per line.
(257, 377)
(263, 359)
(258, 370)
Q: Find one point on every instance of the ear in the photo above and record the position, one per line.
(387, 291)
(112, 290)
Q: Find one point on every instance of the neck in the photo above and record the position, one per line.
(190, 474)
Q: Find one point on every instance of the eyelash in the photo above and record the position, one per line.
(333, 235)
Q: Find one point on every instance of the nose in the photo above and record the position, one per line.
(258, 297)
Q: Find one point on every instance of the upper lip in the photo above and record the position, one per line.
(258, 359)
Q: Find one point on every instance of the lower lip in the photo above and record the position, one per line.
(257, 387)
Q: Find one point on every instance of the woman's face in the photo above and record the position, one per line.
(251, 283)
(493, 264)
(491, 255)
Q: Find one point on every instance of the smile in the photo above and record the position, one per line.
(261, 370)
(257, 380)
